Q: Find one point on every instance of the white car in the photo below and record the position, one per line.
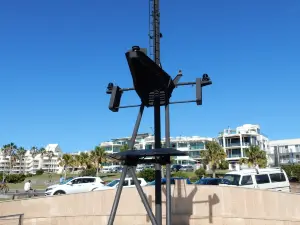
(274, 179)
(76, 185)
(128, 182)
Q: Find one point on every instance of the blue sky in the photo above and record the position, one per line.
(56, 58)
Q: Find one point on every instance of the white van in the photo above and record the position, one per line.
(272, 179)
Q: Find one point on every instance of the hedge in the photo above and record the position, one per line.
(292, 171)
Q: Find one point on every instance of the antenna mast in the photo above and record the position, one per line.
(154, 31)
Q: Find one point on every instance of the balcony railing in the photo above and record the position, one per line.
(228, 132)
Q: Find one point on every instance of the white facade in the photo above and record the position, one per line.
(284, 152)
(193, 145)
(31, 164)
(236, 141)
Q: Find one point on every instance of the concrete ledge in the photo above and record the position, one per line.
(191, 204)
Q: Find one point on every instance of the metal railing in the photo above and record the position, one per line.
(18, 218)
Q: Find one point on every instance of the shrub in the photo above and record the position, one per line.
(224, 165)
(296, 171)
(147, 174)
(39, 172)
(180, 174)
(288, 170)
(29, 175)
(15, 178)
(200, 172)
(89, 172)
(194, 179)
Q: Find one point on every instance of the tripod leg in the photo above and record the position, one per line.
(136, 128)
(117, 197)
(168, 167)
(143, 197)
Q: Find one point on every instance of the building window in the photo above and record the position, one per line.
(148, 146)
(194, 154)
(108, 148)
(116, 149)
(236, 153)
(182, 144)
(196, 145)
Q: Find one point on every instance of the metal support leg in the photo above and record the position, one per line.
(168, 169)
(157, 136)
(117, 197)
(168, 195)
(136, 127)
(143, 197)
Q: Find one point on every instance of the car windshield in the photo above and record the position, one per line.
(202, 181)
(113, 183)
(66, 181)
(231, 179)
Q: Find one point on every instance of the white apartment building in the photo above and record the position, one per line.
(193, 145)
(285, 151)
(236, 141)
(47, 161)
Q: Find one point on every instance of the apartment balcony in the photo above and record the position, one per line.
(229, 132)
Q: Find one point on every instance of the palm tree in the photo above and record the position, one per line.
(98, 155)
(20, 154)
(124, 148)
(65, 161)
(34, 151)
(85, 160)
(77, 161)
(43, 152)
(10, 150)
(213, 156)
(255, 157)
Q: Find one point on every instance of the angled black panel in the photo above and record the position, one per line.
(148, 77)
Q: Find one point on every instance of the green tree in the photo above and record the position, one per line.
(124, 148)
(85, 160)
(255, 157)
(201, 172)
(34, 151)
(147, 174)
(65, 161)
(10, 150)
(98, 156)
(213, 155)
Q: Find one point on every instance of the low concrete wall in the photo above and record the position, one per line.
(195, 205)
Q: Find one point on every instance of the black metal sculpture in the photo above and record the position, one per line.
(154, 87)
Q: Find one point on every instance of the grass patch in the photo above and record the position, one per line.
(37, 182)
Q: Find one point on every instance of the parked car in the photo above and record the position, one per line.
(115, 168)
(208, 181)
(106, 170)
(175, 167)
(128, 182)
(140, 168)
(271, 178)
(75, 185)
(173, 180)
(187, 168)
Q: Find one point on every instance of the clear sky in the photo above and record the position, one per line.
(57, 57)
